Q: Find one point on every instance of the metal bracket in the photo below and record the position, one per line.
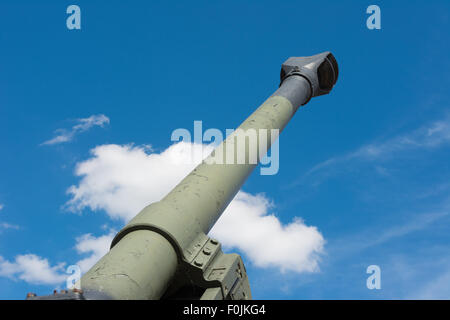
(209, 274)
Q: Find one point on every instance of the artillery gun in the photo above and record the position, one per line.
(164, 252)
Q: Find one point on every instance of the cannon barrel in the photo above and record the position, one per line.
(165, 248)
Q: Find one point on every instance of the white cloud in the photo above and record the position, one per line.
(37, 270)
(32, 269)
(96, 247)
(82, 125)
(247, 225)
(121, 180)
(432, 135)
(124, 179)
(5, 225)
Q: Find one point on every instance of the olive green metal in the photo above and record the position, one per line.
(141, 266)
(147, 252)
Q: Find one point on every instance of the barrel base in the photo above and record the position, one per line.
(210, 274)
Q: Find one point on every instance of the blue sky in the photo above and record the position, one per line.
(366, 166)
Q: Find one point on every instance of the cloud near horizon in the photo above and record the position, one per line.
(33, 269)
(37, 270)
